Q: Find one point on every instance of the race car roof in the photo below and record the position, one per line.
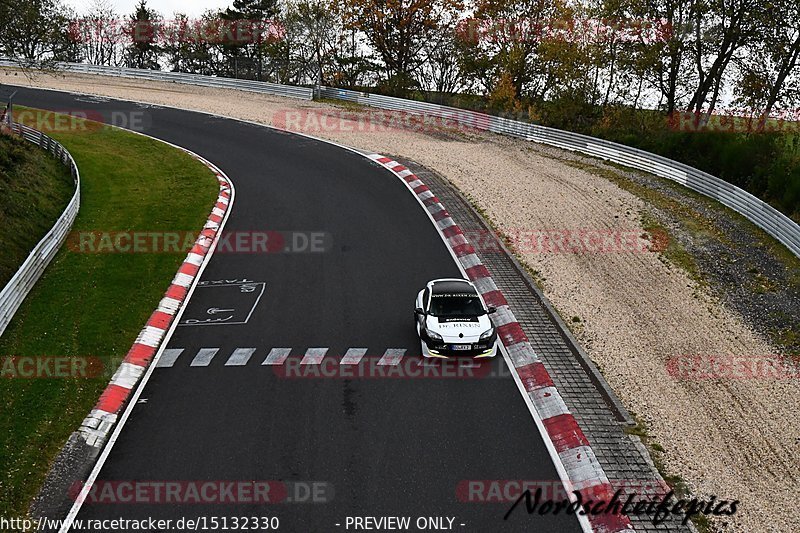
(452, 287)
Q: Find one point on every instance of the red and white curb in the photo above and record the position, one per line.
(97, 426)
(583, 470)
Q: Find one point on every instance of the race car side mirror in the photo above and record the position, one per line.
(419, 311)
(491, 310)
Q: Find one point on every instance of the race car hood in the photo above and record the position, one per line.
(455, 330)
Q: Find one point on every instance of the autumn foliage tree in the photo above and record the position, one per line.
(510, 35)
(398, 30)
(36, 32)
(765, 77)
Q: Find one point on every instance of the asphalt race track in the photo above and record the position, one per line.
(398, 445)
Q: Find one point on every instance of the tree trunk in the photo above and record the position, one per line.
(783, 73)
(611, 73)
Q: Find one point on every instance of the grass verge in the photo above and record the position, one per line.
(93, 305)
(35, 188)
(700, 227)
(675, 482)
(695, 222)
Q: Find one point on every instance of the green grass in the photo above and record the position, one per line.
(343, 104)
(764, 164)
(675, 482)
(698, 225)
(34, 190)
(675, 254)
(93, 304)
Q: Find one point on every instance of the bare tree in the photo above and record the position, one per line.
(315, 29)
(441, 69)
(721, 29)
(766, 72)
(101, 34)
(397, 30)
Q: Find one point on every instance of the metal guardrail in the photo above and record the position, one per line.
(760, 213)
(13, 294)
(289, 91)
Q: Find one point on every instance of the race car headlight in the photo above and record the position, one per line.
(433, 335)
(487, 334)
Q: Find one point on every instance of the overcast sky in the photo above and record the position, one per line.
(193, 8)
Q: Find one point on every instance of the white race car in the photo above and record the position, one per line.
(452, 320)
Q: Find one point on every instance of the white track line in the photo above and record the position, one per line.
(277, 356)
(584, 522)
(314, 356)
(551, 449)
(353, 356)
(169, 358)
(204, 357)
(240, 357)
(392, 357)
(132, 401)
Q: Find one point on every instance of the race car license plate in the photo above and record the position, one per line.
(462, 347)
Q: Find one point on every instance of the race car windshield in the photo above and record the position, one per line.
(443, 305)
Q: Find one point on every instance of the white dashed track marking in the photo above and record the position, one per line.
(392, 357)
(204, 357)
(314, 356)
(353, 356)
(169, 357)
(277, 356)
(239, 357)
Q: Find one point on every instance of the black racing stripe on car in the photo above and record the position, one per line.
(450, 287)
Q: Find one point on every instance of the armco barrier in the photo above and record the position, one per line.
(289, 91)
(760, 213)
(13, 294)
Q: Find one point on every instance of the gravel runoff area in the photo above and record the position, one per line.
(633, 311)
